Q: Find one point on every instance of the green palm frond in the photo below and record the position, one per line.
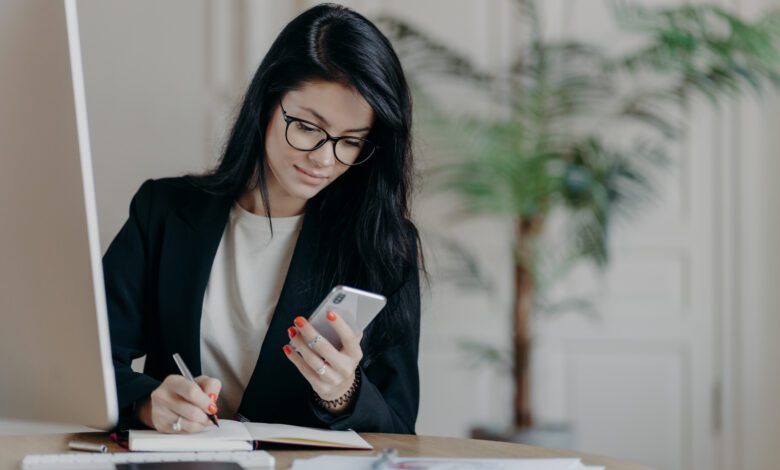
(574, 130)
(457, 265)
(708, 49)
(506, 177)
(478, 354)
(427, 56)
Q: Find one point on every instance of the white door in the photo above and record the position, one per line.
(641, 380)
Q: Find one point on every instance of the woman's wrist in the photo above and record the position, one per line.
(142, 411)
(342, 403)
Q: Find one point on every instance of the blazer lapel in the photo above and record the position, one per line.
(192, 236)
(275, 382)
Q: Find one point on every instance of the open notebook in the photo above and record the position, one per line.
(235, 435)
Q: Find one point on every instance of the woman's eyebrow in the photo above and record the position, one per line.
(325, 121)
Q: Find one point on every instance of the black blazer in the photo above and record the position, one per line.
(156, 271)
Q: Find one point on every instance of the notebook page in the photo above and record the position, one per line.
(230, 435)
(287, 434)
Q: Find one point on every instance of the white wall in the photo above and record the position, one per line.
(750, 332)
(754, 326)
(147, 71)
(752, 336)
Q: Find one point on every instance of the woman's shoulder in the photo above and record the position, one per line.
(162, 195)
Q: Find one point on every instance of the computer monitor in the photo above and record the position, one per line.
(55, 357)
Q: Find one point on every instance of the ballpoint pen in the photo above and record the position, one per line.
(185, 371)
(87, 446)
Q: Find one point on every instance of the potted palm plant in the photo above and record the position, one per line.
(578, 133)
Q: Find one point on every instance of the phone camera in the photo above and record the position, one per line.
(338, 299)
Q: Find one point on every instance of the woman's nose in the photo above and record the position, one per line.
(325, 155)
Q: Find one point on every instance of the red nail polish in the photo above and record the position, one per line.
(331, 316)
(287, 349)
(213, 397)
(292, 332)
(213, 409)
(299, 322)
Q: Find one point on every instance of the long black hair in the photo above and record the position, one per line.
(366, 235)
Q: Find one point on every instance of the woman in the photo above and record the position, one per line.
(312, 191)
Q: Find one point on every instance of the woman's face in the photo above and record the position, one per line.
(296, 176)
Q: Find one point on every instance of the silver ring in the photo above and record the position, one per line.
(321, 370)
(177, 425)
(314, 342)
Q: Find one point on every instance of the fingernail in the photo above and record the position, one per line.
(331, 316)
(287, 349)
(299, 322)
(292, 332)
(213, 408)
(213, 397)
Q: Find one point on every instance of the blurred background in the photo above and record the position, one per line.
(597, 200)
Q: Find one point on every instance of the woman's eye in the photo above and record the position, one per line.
(354, 143)
(304, 127)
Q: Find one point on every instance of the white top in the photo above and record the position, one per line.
(244, 286)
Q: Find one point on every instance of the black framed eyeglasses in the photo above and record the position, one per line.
(307, 136)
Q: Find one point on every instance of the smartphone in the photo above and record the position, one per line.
(357, 307)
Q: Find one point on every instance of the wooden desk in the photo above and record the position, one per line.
(14, 448)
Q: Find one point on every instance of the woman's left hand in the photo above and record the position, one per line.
(330, 371)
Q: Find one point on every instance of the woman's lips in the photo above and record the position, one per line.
(309, 178)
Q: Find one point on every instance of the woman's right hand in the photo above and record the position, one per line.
(176, 396)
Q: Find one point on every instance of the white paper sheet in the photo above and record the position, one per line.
(332, 462)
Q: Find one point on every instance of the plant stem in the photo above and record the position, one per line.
(528, 229)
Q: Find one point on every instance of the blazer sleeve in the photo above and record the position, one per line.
(124, 269)
(389, 394)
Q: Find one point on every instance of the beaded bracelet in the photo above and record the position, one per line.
(343, 399)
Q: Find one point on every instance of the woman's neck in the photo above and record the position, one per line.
(252, 201)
